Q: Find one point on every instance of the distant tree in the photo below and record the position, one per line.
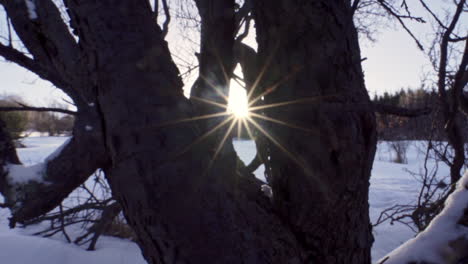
(51, 122)
(64, 124)
(43, 122)
(16, 122)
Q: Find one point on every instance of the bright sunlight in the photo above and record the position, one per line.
(237, 103)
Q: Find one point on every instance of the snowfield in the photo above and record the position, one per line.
(390, 185)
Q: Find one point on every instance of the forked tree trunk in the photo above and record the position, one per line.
(320, 170)
(180, 211)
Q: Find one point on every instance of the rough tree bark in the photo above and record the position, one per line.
(320, 174)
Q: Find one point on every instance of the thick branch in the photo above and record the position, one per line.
(217, 40)
(109, 213)
(244, 34)
(80, 158)
(461, 80)
(450, 110)
(442, 74)
(247, 58)
(242, 14)
(165, 28)
(464, 103)
(46, 37)
(15, 56)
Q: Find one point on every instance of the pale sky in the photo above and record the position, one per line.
(393, 62)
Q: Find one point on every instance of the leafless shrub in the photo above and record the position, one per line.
(399, 148)
(92, 209)
(431, 197)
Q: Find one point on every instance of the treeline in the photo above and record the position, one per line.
(21, 123)
(391, 127)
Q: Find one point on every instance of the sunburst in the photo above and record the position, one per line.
(243, 110)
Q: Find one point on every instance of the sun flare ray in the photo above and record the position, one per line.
(249, 131)
(277, 121)
(304, 167)
(221, 144)
(204, 136)
(276, 142)
(272, 88)
(191, 119)
(214, 87)
(226, 135)
(263, 71)
(208, 101)
(239, 126)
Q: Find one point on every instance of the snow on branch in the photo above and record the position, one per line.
(445, 240)
(36, 109)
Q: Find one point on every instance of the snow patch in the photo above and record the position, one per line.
(20, 174)
(31, 6)
(433, 245)
(57, 152)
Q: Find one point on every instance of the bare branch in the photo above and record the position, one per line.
(36, 109)
(9, 31)
(16, 56)
(423, 3)
(400, 18)
(242, 13)
(107, 216)
(244, 34)
(165, 28)
(354, 6)
(156, 9)
(46, 37)
(457, 39)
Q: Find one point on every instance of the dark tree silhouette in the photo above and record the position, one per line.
(187, 202)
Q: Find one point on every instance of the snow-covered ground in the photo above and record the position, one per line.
(390, 185)
(18, 246)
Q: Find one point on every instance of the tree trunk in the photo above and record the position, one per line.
(181, 212)
(320, 171)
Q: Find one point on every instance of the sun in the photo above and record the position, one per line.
(238, 103)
